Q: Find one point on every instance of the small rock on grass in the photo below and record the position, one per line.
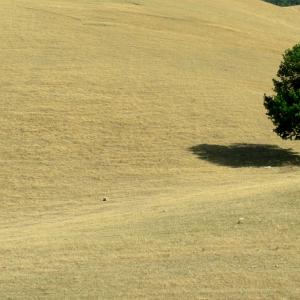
(240, 221)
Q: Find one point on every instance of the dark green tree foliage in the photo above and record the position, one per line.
(283, 108)
(284, 2)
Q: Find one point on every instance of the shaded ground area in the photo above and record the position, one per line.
(246, 155)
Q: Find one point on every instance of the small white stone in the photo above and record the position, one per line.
(241, 220)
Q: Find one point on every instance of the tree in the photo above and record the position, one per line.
(283, 108)
(284, 2)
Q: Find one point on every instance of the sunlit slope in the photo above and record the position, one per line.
(139, 101)
(105, 97)
(180, 249)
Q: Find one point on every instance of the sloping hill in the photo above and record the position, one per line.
(157, 105)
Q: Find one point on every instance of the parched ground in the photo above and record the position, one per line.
(156, 105)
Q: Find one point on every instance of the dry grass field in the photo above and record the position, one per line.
(156, 105)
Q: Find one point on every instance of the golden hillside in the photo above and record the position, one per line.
(156, 105)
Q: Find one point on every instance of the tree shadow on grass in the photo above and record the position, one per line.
(246, 155)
